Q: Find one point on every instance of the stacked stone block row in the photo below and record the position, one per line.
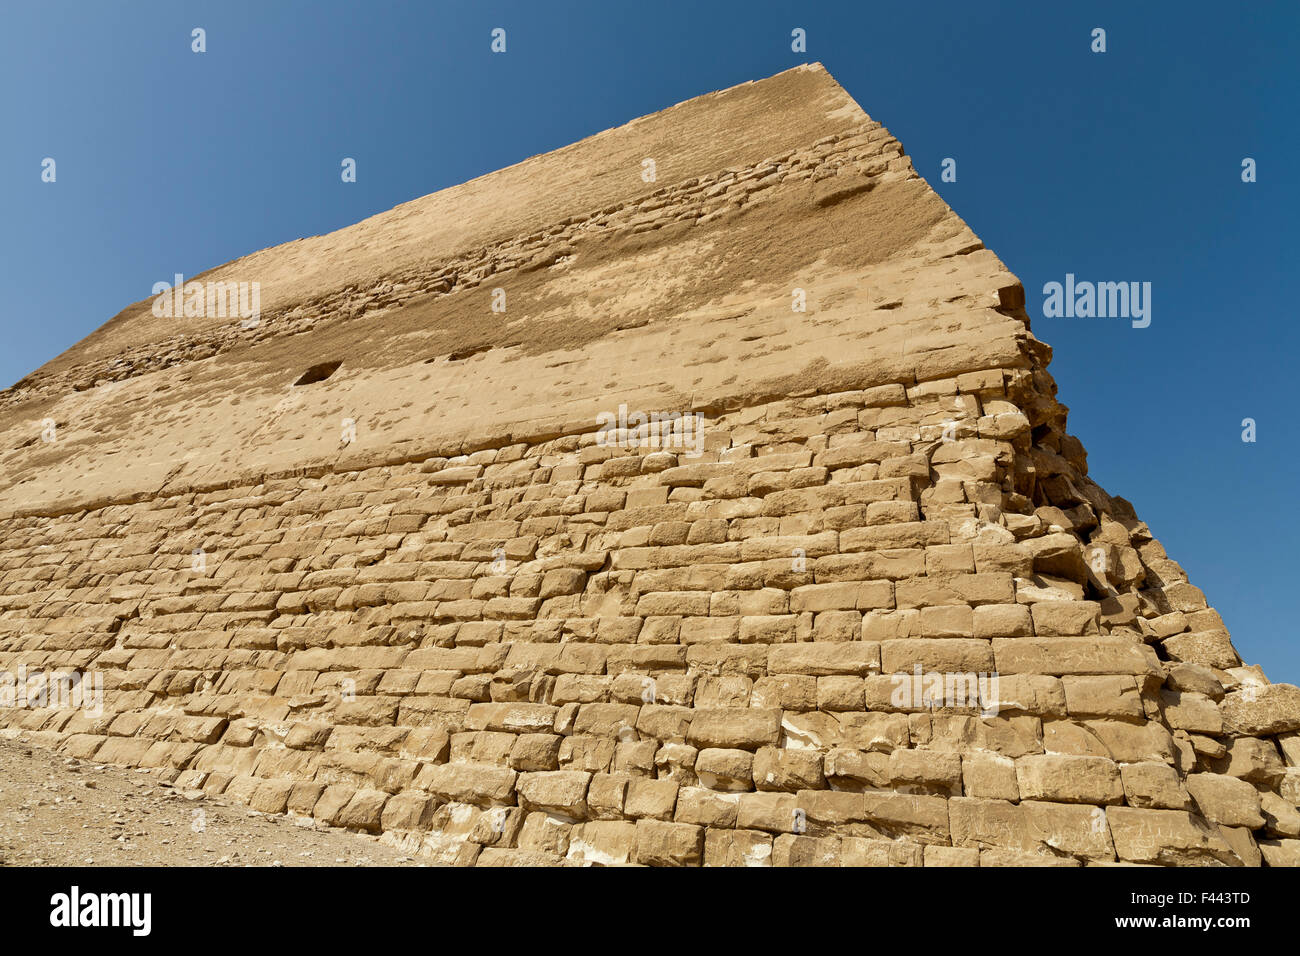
(573, 653)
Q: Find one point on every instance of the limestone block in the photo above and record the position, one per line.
(1154, 786)
(721, 769)
(1226, 800)
(737, 848)
(734, 727)
(1168, 837)
(1069, 779)
(660, 843)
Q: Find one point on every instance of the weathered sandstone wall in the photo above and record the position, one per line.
(479, 630)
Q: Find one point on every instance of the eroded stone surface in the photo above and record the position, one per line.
(478, 631)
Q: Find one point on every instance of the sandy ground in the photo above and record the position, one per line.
(59, 811)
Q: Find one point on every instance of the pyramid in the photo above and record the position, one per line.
(695, 494)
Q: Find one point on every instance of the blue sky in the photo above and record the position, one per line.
(1117, 166)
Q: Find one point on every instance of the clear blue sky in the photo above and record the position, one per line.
(1119, 166)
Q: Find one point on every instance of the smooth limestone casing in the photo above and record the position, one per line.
(480, 631)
